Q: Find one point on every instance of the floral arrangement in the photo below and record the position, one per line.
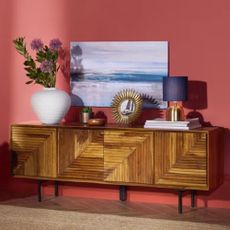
(43, 69)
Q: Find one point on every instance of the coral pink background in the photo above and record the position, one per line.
(198, 34)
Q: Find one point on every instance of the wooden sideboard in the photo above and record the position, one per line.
(113, 154)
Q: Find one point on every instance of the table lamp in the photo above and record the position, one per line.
(175, 89)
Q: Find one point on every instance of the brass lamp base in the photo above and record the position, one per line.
(175, 113)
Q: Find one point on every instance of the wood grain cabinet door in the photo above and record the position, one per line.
(81, 154)
(181, 159)
(128, 156)
(34, 151)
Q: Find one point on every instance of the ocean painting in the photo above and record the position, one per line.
(99, 70)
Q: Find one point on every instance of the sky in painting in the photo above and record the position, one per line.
(122, 57)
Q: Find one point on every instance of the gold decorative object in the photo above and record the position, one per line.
(126, 106)
(96, 121)
(175, 113)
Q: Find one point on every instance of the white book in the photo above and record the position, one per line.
(172, 127)
(194, 121)
(162, 120)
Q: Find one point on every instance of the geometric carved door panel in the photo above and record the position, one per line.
(81, 154)
(181, 159)
(34, 151)
(128, 156)
(118, 155)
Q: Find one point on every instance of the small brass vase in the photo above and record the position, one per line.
(86, 114)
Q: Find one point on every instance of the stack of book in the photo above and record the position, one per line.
(176, 125)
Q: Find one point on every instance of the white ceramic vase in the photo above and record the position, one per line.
(50, 105)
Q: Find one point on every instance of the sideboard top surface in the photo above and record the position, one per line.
(107, 126)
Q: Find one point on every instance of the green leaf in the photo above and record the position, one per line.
(29, 82)
(28, 69)
(27, 63)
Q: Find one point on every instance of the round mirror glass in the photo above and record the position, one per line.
(127, 107)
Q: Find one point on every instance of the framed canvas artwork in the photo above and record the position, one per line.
(99, 70)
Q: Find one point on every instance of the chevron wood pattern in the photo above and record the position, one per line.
(81, 154)
(128, 156)
(118, 155)
(181, 159)
(35, 150)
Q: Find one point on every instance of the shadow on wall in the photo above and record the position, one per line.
(11, 187)
(149, 114)
(6, 86)
(222, 192)
(197, 100)
(4, 164)
(64, 60)
(73, 115)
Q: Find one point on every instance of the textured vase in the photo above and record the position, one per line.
(50, 105)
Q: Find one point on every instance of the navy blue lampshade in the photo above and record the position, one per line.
(175, 88)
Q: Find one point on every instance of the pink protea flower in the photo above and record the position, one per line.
(55, 44)
(37, 44)
(46, 66)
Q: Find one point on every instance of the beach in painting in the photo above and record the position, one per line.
(93, 92)
(99, 70)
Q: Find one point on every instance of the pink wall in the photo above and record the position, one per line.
(198, 37)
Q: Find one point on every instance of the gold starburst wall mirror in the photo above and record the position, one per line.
(126, 106)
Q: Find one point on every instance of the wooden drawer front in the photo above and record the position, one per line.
(181, 159)
(128, 156)
(34, 151)
(81, 154)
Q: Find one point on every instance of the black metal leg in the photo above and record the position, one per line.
(123, 193)
(56, 192)
(39, 190)
(193, 199)
(180, 204)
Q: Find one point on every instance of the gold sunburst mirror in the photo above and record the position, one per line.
(126, 106)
